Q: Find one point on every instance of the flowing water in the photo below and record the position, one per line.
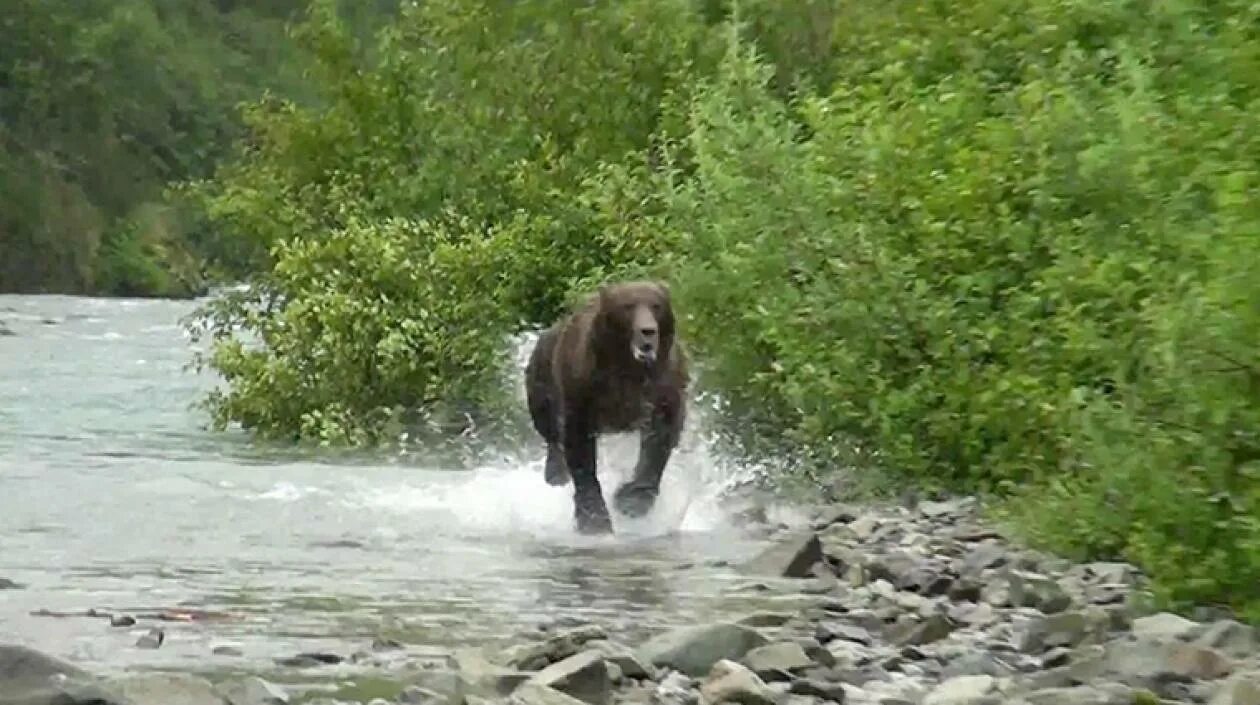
(114, 496)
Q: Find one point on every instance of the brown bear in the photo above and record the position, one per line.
(611, 366)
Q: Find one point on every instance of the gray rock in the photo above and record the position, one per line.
(122, 620)
(226, 650)
(533, 657)
(823, 690)
(730, 682)
(583, 676)
(962, 690)
(694, 650)
(1028, 589)
(775, 661)
(532, 693)
(252, 691)
(864, 527)
(151, 639)
(28, 677)
(831, 630)
(791, 557)
(676, 689)
(764, 619)
(483, 676)
(620, 656)
(1197, 662)
(1240, 689)
(934, 628)
(1230, 637)
(167, 689)
(977, 663)
(1163, 626)
(1062, 629)
(984, 555)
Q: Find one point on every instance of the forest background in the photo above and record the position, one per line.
(1008, 246)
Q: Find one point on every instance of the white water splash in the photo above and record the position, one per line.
(510, 496)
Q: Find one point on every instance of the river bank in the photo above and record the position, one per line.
(876, 605)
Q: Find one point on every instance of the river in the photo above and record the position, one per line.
(113, 495)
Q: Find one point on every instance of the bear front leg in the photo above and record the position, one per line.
(656, 444)
(589, 510)
(556, 472)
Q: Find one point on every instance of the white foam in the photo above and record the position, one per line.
(511, 497)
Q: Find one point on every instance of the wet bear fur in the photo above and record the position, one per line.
(611, 366)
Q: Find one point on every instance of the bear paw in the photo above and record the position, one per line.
(635, 500)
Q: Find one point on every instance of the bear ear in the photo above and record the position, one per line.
(663, 286)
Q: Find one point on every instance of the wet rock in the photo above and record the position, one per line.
(533, 657)
(29, 677)
(485, 676)
(676, 689)
(381, 643)
(1163, 626)
(532, 693)
(584, 676)
(694, 650)
(167, 689)
(1028, 589)
(729, 682)
(122, 620)
(821, 689)
(963, 690)
(226, 650)
(777, 661)
(791, 557)
(5, 583)
(252, 691)
(310, 659)
(1240, 689)
(151, 639)
(764, 619)
(620, 656)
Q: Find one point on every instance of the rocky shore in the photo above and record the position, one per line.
(877, 606)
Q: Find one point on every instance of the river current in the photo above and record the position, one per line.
(114, 496)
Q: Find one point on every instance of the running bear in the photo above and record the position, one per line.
(611, 366)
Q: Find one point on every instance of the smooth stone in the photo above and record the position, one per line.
(730, 682)
(694, 650)
(584, 676)
(1164, 626)
(791, 557)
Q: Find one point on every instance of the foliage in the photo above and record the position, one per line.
(102, 103)
(482, 120)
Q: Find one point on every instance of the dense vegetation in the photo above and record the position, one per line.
(105, 102)
(1007, 247)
